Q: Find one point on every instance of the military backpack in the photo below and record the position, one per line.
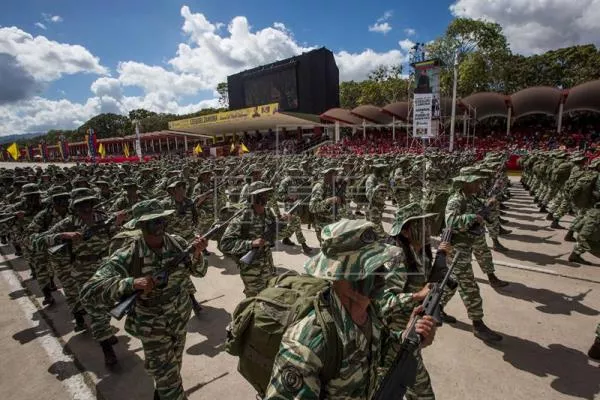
(258, 324)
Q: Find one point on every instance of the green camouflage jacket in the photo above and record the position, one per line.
(300, 359)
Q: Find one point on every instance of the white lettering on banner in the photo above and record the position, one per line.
(422, 114)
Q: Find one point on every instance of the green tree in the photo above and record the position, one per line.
(223, 92)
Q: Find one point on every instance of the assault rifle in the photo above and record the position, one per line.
(440, 266)
(269, 234)
(402, 374)
(485, 211)
(341, 193)
(162, 277)
(205, 195)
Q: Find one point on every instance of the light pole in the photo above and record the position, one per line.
(453, 116)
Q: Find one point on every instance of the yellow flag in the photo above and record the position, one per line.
(197, 149)
(13, 150)
(232, 147)
(126, 150)
(101, 150)
(244, 148)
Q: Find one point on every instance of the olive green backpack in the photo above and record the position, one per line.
(258, 324)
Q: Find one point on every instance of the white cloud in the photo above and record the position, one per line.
(356, 66)
(52, 18)
(538, 26)
(206, 58)
(410, 31)
(380, 28)
(40, 25)
(47, 60)
(406, 44)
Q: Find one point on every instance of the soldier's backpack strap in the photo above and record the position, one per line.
(334, 350)
(137, 261)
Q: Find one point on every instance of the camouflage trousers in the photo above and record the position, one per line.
(483, 255)
(163, 345)
(579, 219)
(550, 194)
(256, 276)
(293, 227)
(584, 245)
(62, 269)
(467, 286)
(38, 262)
(493, 222)
(99, 316)
(562, 206)
(598, 331)
(374, 215)
(435, 202)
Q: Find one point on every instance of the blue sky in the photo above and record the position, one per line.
(128, 55)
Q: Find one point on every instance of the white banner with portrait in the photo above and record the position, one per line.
(422, 114)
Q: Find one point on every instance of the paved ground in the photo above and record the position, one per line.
(547, 316)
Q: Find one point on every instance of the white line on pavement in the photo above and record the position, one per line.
(75, 385)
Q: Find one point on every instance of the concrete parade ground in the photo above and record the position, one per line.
(547, 315)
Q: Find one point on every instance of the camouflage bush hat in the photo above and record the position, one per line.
(81, 195)
(467, 178)
(146, 210)
(30, 189)
(174, 181)
(350, 251)
(410, 212)
(327, 170)
(259, 187)
(129, 183)
(58, 192)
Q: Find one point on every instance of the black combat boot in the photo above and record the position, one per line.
(503, 221)
(449, 319)
(112, 340)
(156, 396)
(503, 206)
(495, 282)
(52, 285)
(306, 249)
(48, 299)
(549, 217)
(569, 237)
(18, 250)
(288, 242)
(555, 225)
(498, 246)
(79, 321)
(3, 240)
(505, 231)
(484, 333)
(576, 258)
(206, 253)
(110, 358)
(543, 209)
(594, 351)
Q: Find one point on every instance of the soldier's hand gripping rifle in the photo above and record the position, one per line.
(485, 211)
(162, 277)
(402, 374)
(269, 235)
(341, 193)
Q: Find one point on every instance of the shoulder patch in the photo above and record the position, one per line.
(292, 379)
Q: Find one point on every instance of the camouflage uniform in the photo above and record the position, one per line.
(159, 318)
(376, 190)
(86, 256)
(460, 216)
(397, 303)
(237, 241)
(297, 367)
(321, 210)
(288, 193)
(588, 238)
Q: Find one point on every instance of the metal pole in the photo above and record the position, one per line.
(337, 131)
(560, 116)
(453, 117)
(394, 129)
(364, 129)
(508, 121)
(185, 143)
